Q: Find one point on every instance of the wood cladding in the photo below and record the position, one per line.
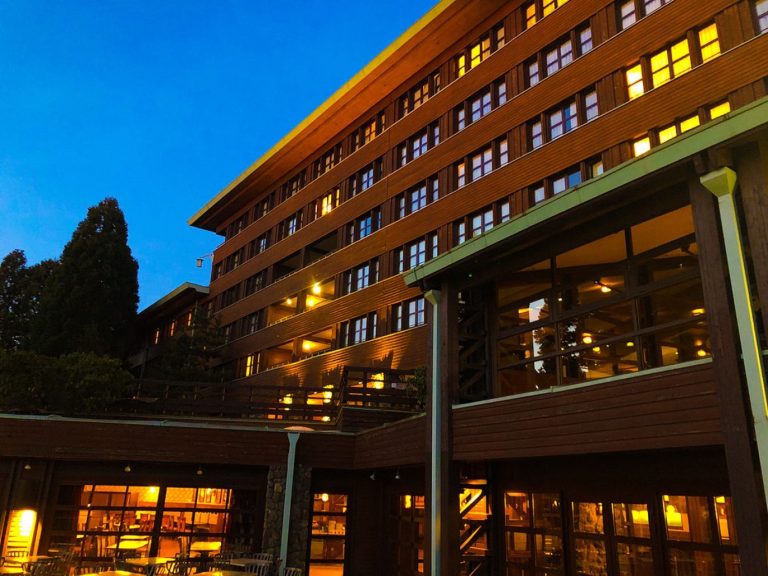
(679, 409)
(102, 441)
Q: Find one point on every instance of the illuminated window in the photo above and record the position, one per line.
(635, 82)
(720, 109)
(670, 63)
(689, 123)
(461, 66)
(479, 50)
(172, 328)
(628, 14)
(250, 364)
(709, 42)
(667, 133)
(156, 338)
(761, 11)
(530, 15)
(408, 314)
(596, 168)
(640, 147)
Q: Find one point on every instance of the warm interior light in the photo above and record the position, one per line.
(605, 289)
(316, 288)
(586, 339)
(701, 353)
(640, 517)
(697, 311)
(306, 345)
(287, 399)
(596, 349)
(630, 344)
(720, 499)
(289, 301)
(326, 418)
(26, 522)
(378, 380)
(407, 501)
(324, 497)
(674, 518)
(311, 301)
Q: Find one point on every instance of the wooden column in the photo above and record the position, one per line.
(751, 164)
(442, 486)
(746, 487)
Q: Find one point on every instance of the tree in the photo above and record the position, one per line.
(75, 384)
(20, 290)
(90, 302)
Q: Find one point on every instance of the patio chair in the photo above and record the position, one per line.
(264, 556)
(180, 567)
(260, 568)
(293, 572)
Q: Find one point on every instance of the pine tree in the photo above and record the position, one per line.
(90, 302)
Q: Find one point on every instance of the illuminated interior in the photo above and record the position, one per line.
(328, 539)
(22, 524)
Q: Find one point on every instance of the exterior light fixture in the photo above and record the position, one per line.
(199, 471)
(586, 339)
(397, 475)
(27, 466)
(372, 476)
(697, 311)
(316, 288)
(127, 468)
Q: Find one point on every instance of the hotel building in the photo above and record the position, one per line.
(557, 211)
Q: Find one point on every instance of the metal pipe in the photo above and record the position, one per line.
(433, 297)
(293, 438)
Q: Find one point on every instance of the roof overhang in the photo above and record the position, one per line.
(421, 43)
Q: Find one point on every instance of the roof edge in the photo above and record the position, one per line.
(346, 88)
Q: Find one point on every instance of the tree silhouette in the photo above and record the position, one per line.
(90, 303)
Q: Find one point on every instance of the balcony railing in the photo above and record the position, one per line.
(376, 389)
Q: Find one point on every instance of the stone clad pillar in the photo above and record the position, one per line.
(300, 513)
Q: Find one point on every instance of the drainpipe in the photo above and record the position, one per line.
(433, 297)
(293, 438)
(722, 183)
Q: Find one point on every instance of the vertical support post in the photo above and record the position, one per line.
(433, 297)
(293, 438)
(747, 486)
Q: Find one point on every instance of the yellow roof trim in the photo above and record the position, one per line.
(409, 34)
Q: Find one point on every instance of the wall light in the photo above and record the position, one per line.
(199, 471)
(127, 468)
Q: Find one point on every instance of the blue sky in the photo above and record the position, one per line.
(161, 104)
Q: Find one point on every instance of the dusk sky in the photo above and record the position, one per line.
(161, 104)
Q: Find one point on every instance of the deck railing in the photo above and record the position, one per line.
(357, 387)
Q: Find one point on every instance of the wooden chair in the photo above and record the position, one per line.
(292, 572)
(260, 568)
(180, 567)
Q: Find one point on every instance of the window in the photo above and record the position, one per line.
(635, 81)
(292, 186)
(365, 225)
(482, 163)
(416, 253)
(358, 330)
(532, 72)
(585, 40)
(533, 518)
(630, 11)
(254, 283)
(361, 276)
(261, 243)
(408, 314)
(368, 131)
(709, 42)
(559, 57)
(720, 109)
(418, 144)
(326, 203)
(250, 365)
(156, 336)
(460, 173)
(252, 322)
(480, 104)
(590, 104)
(263, 206)
(473, 55)
(328, 160)
(670, 63)
(237, 226)
(482, 221)
(536, 137)
(328, 533)
(641, 146)
(289, 226)
(761, 11)
(365, 178)
(566, 180)
(419, 94)
(562, 120)
(537, 9)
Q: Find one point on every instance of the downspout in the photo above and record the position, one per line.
(433, 297)
(722, 183)
(293, 438)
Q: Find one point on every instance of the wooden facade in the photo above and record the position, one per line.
(497, 151)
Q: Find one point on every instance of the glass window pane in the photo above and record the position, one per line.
(516, 511)
(687, 518)
(546, 511)
(726, 523)
(631, 520)
(695, 563)
(634, 559)
(588, 517)
(590, 557)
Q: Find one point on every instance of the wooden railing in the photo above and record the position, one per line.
(358, 387)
